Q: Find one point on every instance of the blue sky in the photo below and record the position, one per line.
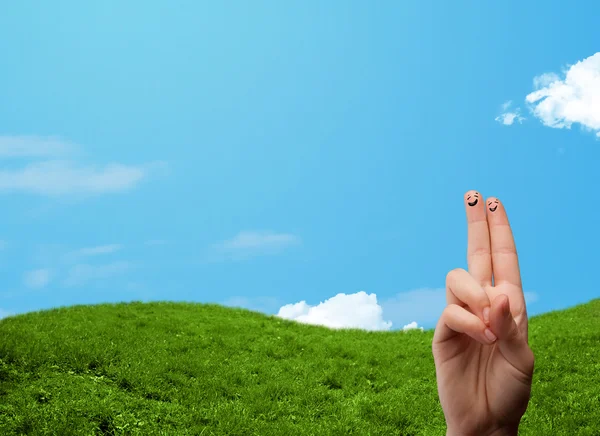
(266, 155)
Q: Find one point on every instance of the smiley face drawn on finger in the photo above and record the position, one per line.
(493, 205)
(473, 199)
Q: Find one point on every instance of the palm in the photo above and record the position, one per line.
(482, 385)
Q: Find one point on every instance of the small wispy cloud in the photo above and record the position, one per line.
(76, 256)
(101, 249)
(531, 297)
(81, 274)
(55, 178)
(509, 117)
(253, 243)
(57, 174)
(38, 278)
(35, 146)
(560, 103)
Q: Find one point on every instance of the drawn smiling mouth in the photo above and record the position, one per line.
(493, 209)
(474, 203)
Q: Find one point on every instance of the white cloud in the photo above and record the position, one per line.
(411, 326)
(34, 146)
(101, 249)
(544, 80)
(38, 278)
(252, 243)
(509, 117)
(357, 310)
(55, 178)
(81, 274)
(559, 103)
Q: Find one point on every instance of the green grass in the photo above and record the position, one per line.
(196, 369)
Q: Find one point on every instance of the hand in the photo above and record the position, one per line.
(484, 384)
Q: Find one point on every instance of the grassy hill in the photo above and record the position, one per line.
(196, 369)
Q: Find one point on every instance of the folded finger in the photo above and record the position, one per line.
(462, 289)
(512, 341)
(457, 320)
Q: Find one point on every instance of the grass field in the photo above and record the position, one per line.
(196, 369)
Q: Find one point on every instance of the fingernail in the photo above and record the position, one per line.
(486, 315)
(488, 334)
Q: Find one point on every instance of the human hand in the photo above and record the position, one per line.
(484, 385)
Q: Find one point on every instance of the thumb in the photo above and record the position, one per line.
(511, 341)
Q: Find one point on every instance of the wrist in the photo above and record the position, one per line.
(504, 431)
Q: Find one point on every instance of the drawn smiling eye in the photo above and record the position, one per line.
(493, 205)
(473, 199)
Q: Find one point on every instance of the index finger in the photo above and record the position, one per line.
(479, 257)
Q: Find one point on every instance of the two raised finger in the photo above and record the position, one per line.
(491, 247)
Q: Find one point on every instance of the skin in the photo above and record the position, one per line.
(484, 385)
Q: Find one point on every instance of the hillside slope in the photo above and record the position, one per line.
(184, 368)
